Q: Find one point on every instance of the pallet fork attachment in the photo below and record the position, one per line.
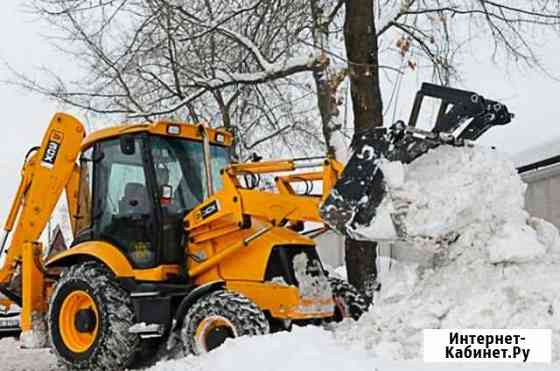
(463, 116)
(457, 107)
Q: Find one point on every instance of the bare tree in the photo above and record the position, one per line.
(219, 61)
(432, 31)
(327, 80)
(271, 70)
(362, 50)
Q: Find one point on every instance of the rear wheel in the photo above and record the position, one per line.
(218, 316)
(89, 317)
(349, 303)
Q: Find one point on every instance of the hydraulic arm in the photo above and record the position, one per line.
(349, 194)
(231, 209)
(48, 170)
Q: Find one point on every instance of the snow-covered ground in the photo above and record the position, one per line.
(304, 349)
(13, 358)
(473, 258)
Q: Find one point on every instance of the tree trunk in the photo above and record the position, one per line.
(362, 52)
(326, 90)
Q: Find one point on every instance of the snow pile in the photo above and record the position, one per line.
(479, 260)
(309, 348)
(450, 188)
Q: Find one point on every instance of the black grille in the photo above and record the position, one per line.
(280, 262)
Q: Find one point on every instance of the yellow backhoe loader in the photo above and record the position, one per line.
(174, 246)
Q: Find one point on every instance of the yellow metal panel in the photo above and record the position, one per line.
(228, 205)
(268, 296)
(210, 275)
(282, 301)
(275, 207)
(103, 251)
(302, 177)
(189, 131)
(156, 274)
(250, 262)
(112, 133)
(16, 203)
(115, 260)
(273, 166)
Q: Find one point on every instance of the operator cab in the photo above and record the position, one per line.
(137, 187)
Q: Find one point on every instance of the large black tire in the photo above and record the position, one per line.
(113, 347)
(348, 300)
(218, 316)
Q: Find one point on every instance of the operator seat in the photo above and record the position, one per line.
(131, 227)
(135, 200)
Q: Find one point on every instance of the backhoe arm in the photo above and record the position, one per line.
(46, 172)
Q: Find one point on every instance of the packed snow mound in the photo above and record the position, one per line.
(449, 188)
(474, 257)
(305, 348)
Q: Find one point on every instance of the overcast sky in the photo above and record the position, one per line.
(533, 97)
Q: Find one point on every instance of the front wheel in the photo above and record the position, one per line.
(89, 317)
(349, 303)
(218, 316)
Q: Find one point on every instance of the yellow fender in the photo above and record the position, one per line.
(104, 252)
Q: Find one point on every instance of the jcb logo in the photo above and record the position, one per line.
(55, 141)
(50, 154)
(210, 209)
(207, 210)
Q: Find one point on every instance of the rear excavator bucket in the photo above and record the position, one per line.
(462, 117)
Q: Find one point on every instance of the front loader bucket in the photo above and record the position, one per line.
(361, 187)
(354, 200)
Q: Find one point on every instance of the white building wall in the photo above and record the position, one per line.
(542, 198)
(330, 247)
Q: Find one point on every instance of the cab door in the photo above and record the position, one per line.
(123, 208)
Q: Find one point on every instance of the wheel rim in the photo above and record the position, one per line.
(78, 321)
(213, 332)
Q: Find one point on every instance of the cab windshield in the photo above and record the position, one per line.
(179, 167)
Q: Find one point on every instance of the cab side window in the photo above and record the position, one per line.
(123, 207)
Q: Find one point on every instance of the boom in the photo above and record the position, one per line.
(47, 171)
(232, 209)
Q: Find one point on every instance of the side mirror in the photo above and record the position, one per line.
(127, 145)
